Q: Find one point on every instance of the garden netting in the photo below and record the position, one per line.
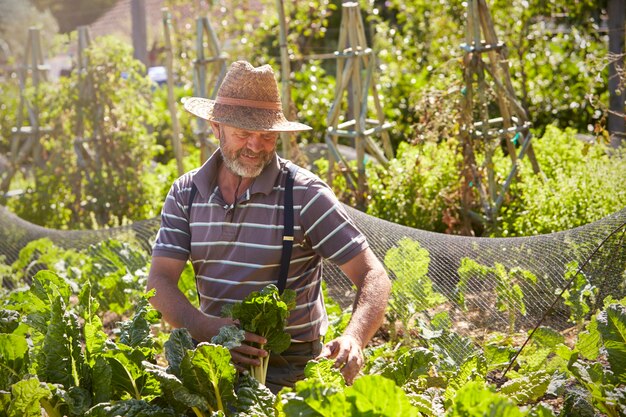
(452, 288)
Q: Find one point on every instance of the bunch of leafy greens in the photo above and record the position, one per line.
(265, 313)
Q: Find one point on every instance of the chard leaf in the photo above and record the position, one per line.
(178, 344)
(311, 397)
(128, 375)
(528, 388)
(590, 341)
(253, 398)
(207, 371)
(130, 408)
(324, 370)
(9, 321)
(409, 366)
(498, 356)
(137, 332)
(78, 400)
(229, 336)
(61, 359)
(474, 399)
(25, 397)
(102, 377)
(175, 392)
(472, 370)
(548, 337)
(378, 396)
(612, 326)
(13, 359)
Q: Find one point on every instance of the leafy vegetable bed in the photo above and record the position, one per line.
(56, 355)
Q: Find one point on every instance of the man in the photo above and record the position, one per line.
(233, 234)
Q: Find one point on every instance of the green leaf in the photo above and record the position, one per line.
(528, 388)
(324, 370)
(229, 336)
(130, 408)
(25, 397)
(378, 396)
(498, 356)
(612, 326)
(472, 370)
(175, 392)
(60, 359)
(137, 331)
(13, 359)
(254, 399)
(177, 345)
(265, 313)
(541, 410)
(409, 366)
(102, 379)
(207, 371)
(128, 375)
(547, 337)
(589, 341)
(311, 397)
(476, 400)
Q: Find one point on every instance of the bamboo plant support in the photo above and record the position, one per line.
(485, 134)
(171, 101)
(25, 140)
(217, 60)
(354, 59)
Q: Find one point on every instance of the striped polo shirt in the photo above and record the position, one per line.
(236, 249)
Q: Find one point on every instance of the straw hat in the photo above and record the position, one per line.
(247, 99)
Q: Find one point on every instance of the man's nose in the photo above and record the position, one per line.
(255, 142)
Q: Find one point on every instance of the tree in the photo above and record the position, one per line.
(70, 14)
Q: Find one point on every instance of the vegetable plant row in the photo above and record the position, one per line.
(58, 357)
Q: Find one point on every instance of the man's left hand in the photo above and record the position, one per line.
(348, 356)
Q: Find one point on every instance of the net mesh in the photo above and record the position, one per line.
(473, 286)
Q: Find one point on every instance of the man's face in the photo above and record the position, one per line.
(246, 152)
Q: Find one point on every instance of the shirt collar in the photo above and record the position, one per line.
(206, 176)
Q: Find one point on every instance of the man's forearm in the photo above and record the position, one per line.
(369, 307)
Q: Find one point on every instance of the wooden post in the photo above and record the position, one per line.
(616, 122)
(218, 61)
(139, 31)
(285, 70)
(171, 100)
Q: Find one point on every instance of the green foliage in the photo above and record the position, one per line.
(412, 290)
(582, 184)
(99, 153)
(508, 286)
(417, 187)
(475, 399)
(579, 295)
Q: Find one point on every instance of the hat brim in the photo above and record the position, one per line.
(241, 117)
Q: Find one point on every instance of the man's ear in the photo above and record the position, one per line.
(216, 129)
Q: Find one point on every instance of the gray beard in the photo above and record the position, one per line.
(244, 171)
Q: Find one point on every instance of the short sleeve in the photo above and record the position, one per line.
(173, 239)
(327, 226)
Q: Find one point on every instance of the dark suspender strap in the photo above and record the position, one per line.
(285, 258)
(192, 195)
